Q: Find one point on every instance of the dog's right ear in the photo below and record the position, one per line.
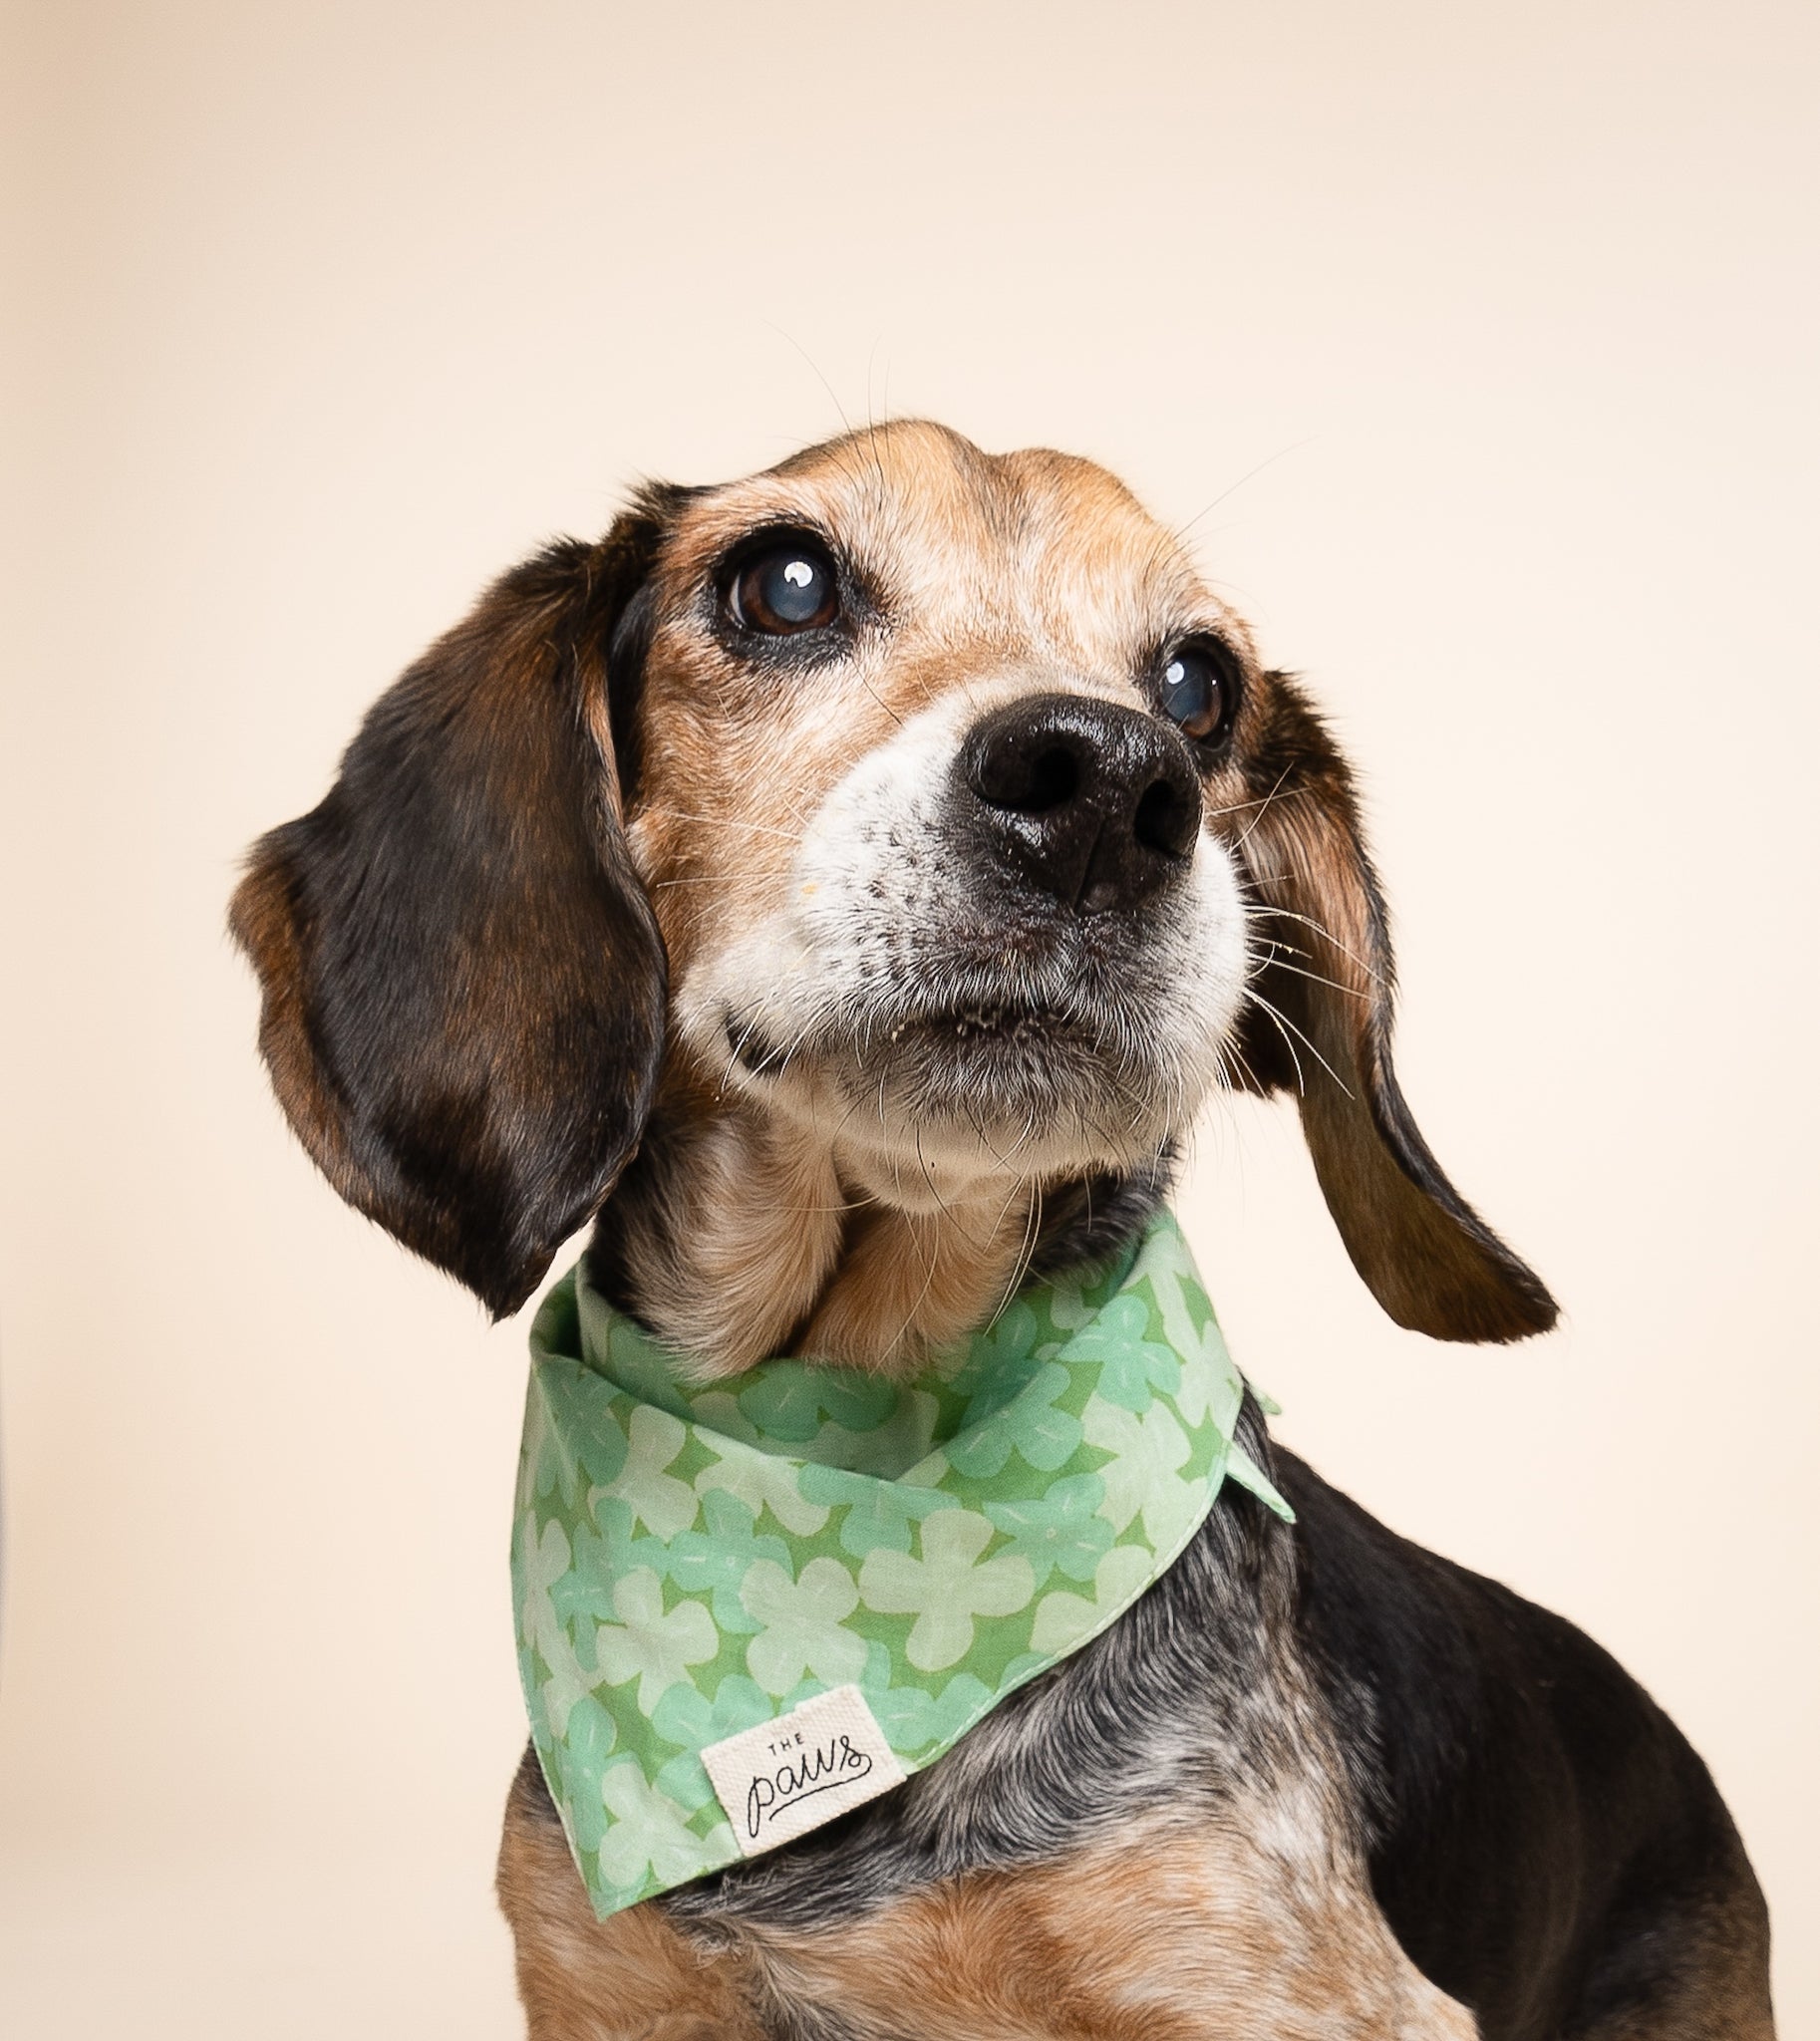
(463, 984)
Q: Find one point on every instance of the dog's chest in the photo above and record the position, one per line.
(1175, 1929)
(1155, 1838)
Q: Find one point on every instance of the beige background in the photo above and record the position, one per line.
(1480, 343)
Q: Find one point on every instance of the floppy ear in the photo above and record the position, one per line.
(1324, 963)
(464, 985)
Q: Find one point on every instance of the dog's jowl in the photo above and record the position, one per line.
(843, 887)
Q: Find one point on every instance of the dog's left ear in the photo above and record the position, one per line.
(1324, 961)
(463, 984)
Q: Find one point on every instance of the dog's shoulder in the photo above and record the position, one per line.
(1541, 1836)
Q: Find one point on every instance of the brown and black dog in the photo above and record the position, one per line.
(844, 886)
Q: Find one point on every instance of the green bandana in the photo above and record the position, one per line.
(744, 1609)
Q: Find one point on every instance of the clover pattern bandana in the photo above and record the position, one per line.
(691, 1563)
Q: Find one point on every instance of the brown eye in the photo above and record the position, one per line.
(788, 587)
(1199, 686)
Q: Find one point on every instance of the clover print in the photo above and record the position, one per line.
(792, 1398)
(713, 1561)
(880, 1513)
(1028, 1424)
(1062, 1529)
(596, 1444)
(543, 1558)
(1133, 1366)
(542, 1465)
(655, 1648)
(647, 1832)
(1142, 1476)
(1002, 1349)
(690, 1562)
(686, 1717)
(946, 1587)
(758, 1478)
(804, 1626)
(578, 1758)
(584, 1595)
(543, 1564)
(717, 1410)
(1071, 1306)
(886, 1450)
(1065, 1620)
(912, 1717)
(1189, 1325)
(655, 1498)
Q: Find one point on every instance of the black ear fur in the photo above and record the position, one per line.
(1324, 948)
(463, 984)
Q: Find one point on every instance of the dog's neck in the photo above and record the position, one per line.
(736, 1236)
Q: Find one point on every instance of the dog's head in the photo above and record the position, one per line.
(907, 822)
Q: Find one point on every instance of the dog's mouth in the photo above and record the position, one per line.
(966, 1031)
(1030, 1085)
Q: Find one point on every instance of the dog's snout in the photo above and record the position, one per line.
(1096, 804)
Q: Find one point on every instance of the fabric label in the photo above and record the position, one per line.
(783, 1778)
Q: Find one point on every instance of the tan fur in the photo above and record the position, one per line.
(1178, 1932)
(914, 1279)
(263, 925)
(1167, 1934)
(741, 1291)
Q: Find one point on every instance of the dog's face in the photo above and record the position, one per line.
(905, 829)
(934, 767)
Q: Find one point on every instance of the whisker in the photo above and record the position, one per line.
(1239, 808)
(1326, 935)
(839, 408)
(726, 823)
(1033, 1226)
(1181, 531)
(1276, 962)
(935, 1248)
(1246, 834)
(929, 1176)
(1283, 1023)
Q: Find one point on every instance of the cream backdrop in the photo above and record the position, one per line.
(1478, 343)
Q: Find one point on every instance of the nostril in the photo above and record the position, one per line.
(1028, 781)
(1055, 780)
(1164, 820)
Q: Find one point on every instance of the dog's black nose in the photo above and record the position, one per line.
(1094, 803)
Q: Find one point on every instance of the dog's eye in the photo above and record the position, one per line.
(788, 587)
(1199, 685)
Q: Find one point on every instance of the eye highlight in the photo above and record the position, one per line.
(1198, 683)
(786, 586)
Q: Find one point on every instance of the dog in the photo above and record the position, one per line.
(842, 887)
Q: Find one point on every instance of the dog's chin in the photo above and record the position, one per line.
(976, 1090)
